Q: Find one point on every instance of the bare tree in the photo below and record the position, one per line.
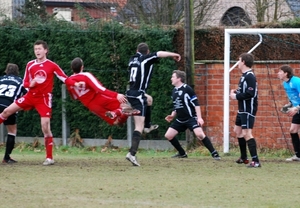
(270, 10)
(203, 10)
(166, 12)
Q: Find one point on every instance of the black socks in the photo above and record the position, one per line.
(296, 143)
(177, 145)
(243, 147)
(136, 138)
(252, 149)
(148, 117)
(10, 144)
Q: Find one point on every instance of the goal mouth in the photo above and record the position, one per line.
(265, 36)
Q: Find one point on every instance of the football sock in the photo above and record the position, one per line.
(136, 138)
(243, 147)
(148, 117)
(10, 144)
(207, 143)
(296, 143)
(177, 146)
(252, 149)
(49, 147)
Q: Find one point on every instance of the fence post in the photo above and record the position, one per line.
(129, 127)
(63, 115)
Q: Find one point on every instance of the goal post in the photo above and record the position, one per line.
(227, 69)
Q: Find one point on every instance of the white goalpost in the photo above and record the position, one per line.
(227, 69)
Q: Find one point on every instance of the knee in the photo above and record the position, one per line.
(169, 136)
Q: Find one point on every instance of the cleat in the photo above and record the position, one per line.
(178, 155)
(152, 127)
(216, 156)
(48, 161)
(294, 158)
(132, 159)
(9, 161)
(254, 164)
(111, 114)
(242, 161)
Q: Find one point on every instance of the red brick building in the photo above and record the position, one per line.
(81, 10)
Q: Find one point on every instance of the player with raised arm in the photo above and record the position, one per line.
(140, 69)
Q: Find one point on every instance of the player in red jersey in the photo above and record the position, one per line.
(39, 79)
(106, 104)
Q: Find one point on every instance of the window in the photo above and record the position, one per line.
(235, 16)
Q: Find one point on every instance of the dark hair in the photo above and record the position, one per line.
(143, 48)
(248, 58)
(41, 42)
(180, 74)
(76, 65)
(12, 69)
(289, 70)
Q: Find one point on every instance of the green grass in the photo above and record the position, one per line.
(91, 178)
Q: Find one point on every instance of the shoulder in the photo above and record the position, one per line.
(29, 63)
(249, 74)
(295, 80)
(48, 61)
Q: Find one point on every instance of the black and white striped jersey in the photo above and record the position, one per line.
(140, 68)
(246, 94)
(184, 102)
(11, 88)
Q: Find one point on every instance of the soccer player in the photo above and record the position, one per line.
(39, 75)
(11, 88)
(246, 95)
(106, 104)
(187, 112)
(140, 69)
(291, 86)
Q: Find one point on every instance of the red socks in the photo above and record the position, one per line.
(49, 147)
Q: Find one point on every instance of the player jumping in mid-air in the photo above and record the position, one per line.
(106, 104)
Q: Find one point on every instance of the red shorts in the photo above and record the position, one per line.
(42, 103)
(101, 104)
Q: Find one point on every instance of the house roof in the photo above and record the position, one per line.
(86, 3)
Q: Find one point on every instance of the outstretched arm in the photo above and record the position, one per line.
(164, 54)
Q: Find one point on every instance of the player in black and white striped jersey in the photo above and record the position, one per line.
(11, 88)
(140, 69)
(246, 95)
(187, 112)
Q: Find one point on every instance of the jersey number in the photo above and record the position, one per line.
(133, 72)
(7, 90)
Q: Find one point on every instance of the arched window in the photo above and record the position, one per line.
(235, 16)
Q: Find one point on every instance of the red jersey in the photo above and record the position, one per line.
(44, 74)
(92, 88)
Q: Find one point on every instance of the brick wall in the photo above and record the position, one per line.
(271, 127)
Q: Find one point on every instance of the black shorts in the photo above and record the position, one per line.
(137, 100)
(181, 126)
(296, 118)
(245, 120)
(11, 120)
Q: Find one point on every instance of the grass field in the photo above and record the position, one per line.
(82, 178)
